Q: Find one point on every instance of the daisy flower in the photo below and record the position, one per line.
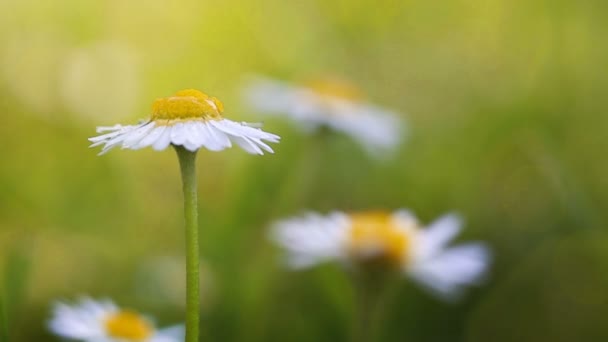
(332, 103)
(191, 119)
(392, 241)
(104, 321)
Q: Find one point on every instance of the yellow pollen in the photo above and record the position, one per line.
(335, 88)
(374, 237)
(187, 104)
(128, 325)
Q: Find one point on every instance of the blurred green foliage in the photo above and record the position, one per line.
(506, 101)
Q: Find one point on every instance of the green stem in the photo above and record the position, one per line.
(370, 290)
(363, 311)
(187, 163)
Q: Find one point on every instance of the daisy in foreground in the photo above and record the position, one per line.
(386, 241)
(332, 103)
(187, 121)
(104, 321)
(191, 119)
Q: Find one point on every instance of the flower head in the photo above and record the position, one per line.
(191, 119)
(103, 321)
(329, 102)
(388, 241)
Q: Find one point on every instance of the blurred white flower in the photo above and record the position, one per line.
(104, 321)
(394, 241)
(331, 103)
(191, 119)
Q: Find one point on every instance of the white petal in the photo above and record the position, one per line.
(151, 138)
(102, 129)
(114, 139)
(447, 273)
(178, 133)
(137, 135)
(263, 145)
(249, 138)
(83, 320)
(437, 235)
(193, 136)
(311, 239)
(211, 142)
(218, 136)
(203, 137)
(163, 141)
(243, 130)
(247, 145)
(174, 333)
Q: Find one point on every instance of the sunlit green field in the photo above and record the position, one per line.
(505, 103)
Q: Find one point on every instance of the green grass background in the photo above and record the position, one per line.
(506, 103)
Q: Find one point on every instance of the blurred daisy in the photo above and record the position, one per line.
(331, 103)
(103, 321)
(391, 241)
(191, 119)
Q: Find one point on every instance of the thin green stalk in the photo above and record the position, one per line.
(187, 163)
(370, 290)
(364, 312)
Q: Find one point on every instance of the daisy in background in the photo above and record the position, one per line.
(371, 241)
(187, 121)
(332, 103)
(103, 321)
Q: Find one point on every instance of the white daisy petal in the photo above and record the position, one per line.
(243, 130)
(438, 234)
(137, 135)
(262, 145)
(193, 136)
(200, 134)
(218, 136)
(247, 137)
(311, 239)
(247, 145)
(163, 141)
(178, 133)
(447, 273)
(170, 334)
(103, 138)
(113, 140)
(102, 129)
(211, 141)
(151, 138)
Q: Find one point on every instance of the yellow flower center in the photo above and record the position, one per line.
(374, 237)
(128, 325)
(187, 104)
(335, 88)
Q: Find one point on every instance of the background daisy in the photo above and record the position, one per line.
(330, 103)
(397, 241)
(103, 321)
